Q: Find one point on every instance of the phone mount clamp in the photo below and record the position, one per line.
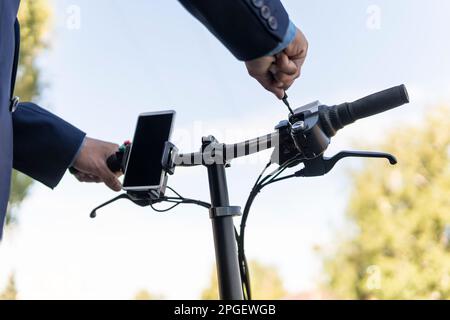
(117, 163)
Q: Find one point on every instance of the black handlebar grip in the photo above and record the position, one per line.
(114, 162)
(378, 103)
(337, 117)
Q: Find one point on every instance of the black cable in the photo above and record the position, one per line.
(260, 184)
(278, 172)
(188, 201)
(173, 190)
(165, 210)
(262, 173)
(242, 270)
(281, 179)
(177, 201)
(243, 266)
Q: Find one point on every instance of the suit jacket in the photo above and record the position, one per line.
(45, 145)
(248, 28)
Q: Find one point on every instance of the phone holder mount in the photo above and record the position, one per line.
(117, 163)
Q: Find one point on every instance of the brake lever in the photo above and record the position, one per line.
(140, 199)
(321, 166)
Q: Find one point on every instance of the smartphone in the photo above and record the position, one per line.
(143, 170)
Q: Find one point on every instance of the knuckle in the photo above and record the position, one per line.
(284, 78)
(96, 167)
(252, 73)
(110, 179)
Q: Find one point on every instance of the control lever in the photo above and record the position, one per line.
(142, 199)
(322, 165)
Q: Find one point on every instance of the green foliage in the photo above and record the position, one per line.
(265, 280)
(10, 292)
(34, 17)
(19, 190)
(145, 295)
(401, 247)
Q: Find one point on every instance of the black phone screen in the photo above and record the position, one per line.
(144, 169)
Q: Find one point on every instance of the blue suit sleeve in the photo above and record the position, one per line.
(250, 29)
(44, 144)
(288, 38)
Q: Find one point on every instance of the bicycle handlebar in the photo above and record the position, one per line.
(331, 119)
(313, 137)
(337, 117)
(228, 152)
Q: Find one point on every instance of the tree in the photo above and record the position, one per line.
(10, 292)
(265, 280)
(34, 18)
(145, 295)
(401, 245)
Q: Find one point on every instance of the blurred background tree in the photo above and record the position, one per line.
(401, 245)
(146, 295)
(265, 280)
(34, 17)
(10, 292)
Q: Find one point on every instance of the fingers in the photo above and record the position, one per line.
(84, 177)
(275, 74)
(285, 65)
(278, 92)
(109, 178)
(271, 85)
(278, 73)
(91, 163)
(104, 175)
(289, 63)
(284, 72)
(286, 80)
(276, 88)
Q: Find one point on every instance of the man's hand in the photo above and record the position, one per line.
(91, 163)
(260, 70)
(276, 74)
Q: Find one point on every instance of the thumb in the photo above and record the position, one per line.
(110, 179)
(278, 92)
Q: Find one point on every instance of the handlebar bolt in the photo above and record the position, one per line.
(298, 126)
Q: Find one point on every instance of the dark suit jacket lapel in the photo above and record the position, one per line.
(16, 56)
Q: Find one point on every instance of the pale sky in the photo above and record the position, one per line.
(137, 56)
